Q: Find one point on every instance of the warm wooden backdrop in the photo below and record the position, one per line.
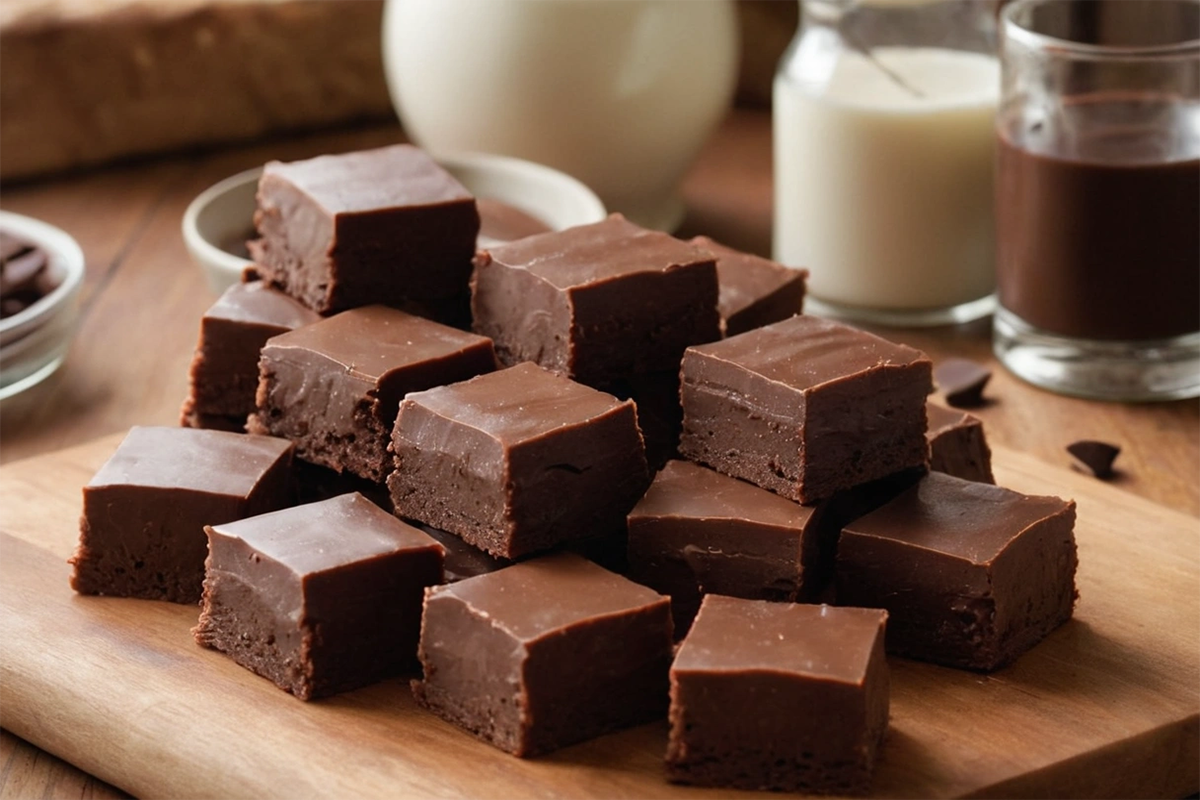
(143, 298)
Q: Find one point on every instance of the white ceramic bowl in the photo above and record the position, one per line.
(223, 214)
(34, 342)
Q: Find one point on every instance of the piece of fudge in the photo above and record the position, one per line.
(660, 417)
(805, 407)
(544, 654)
(462, 560)
(957, 445)
(224, 374)
(972, 575)
(144, 512)
(779, 696)
(377, 226)
(334, 387)
(698, 532)
(754, 291)
(596, 302)
(500, 223)
(518, 461)
(320, 598)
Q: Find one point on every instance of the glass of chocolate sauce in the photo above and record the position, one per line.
(1098, 197)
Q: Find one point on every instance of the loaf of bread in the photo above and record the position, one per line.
(84, 82)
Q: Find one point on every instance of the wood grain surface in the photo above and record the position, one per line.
(143, 299)
(1109, 703)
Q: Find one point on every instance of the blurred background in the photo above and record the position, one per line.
(88, 82)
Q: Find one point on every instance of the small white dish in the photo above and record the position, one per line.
(34, 342)
(221, 217)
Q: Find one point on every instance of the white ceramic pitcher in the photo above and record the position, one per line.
(622, 94)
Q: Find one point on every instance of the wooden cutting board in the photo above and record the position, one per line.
(1108, 705)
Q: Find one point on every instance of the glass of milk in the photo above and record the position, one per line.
(884, 114)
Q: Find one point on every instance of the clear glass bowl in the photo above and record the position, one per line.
(34, 342)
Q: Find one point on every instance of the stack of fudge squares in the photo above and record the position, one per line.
(574, 480)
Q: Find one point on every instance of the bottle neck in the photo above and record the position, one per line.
(868, 24)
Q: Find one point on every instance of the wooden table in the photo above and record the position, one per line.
(143, 298)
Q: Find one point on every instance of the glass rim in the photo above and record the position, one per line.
(1011, 28)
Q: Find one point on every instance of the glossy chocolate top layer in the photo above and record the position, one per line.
(256, 303)
(326, 535)
(965, 519)
(370, 180)
(602, 251)
(516, 404)
(536, 598)
(684, 489)
(736, 635)
(192, 459)
(745, 278)
(371, 341)
(500, 223)
(804, 352)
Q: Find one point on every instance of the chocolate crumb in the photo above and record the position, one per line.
(1094, 458)
(962, 381)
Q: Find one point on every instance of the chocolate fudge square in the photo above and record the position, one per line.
(805, 407)
(319, 598)
(779, 696)
(596, 302)
(144, 512)
(697, 532)
(518, 461)
(377, 226)
(223, 377)
(334, 387)
(957, 445)
(545, 653)
(754, 291)
(972, 575)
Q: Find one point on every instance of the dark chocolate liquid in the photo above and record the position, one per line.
(1102, 239)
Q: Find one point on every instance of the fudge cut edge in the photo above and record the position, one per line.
(1024, 616)
(1004, 607)
(865, 427)
(732, 424)
(506, 707)
(168, 570)
(302, 269)
(961, 449)
(329, 645)
(736, 430)
(585, 480)
(490, 507)
(687, 554)
(526, 317)
(334, 260)
(594, 332)
(356, 441)
(235, 620)
(609, 339)
(432, 486)
(788, 760)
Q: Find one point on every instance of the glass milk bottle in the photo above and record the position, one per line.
(884, 146)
